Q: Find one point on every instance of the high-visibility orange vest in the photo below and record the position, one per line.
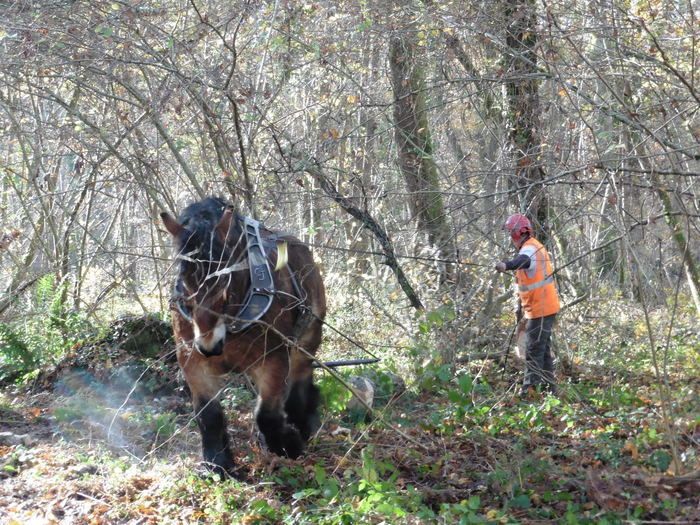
(538, 293)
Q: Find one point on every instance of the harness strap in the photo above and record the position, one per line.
(262, 286)
(535, 286)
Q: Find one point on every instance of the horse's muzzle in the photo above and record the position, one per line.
(217, 349)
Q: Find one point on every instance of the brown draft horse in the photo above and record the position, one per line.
(216, 253)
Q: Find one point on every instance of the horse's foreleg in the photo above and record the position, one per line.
(209, 415)
(216, 449)
(302, 407)
(272, 382)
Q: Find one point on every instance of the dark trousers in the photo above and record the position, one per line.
(539, 365)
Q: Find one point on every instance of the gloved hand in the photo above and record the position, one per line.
(500, 267)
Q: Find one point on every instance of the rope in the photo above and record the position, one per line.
(346, 337)
(411, 257)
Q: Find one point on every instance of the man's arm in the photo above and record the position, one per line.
(521, 261)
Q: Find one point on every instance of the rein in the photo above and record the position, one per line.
(240, 265)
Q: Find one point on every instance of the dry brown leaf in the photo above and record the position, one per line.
(603, 492)
(141, 483)
(631, 449)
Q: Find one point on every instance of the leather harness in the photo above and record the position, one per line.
(262, 290)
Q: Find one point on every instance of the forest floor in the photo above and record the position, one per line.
(113, 441)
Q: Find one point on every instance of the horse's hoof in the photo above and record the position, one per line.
(292, 443)
(219, 472)
(293, 452)
(288, 443)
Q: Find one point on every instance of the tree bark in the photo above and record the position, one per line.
(415, 148)
(689, 265)
(523, 112)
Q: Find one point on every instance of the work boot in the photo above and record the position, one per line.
(549, 388)
(529, 393)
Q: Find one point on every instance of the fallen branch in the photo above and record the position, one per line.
(313, 168)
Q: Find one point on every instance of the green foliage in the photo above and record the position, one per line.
(335, 395)
(367, 491)
(464, 512)
(435, 376)
(15, 356)
(234, 397)
(436, 318)
(69, 413)
(43, 336)
(533, 452)
(661, 459)
(162, 425)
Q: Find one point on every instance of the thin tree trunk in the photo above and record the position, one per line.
(524, 110)
(415, 148)
(689, 264)
(311, 167)
(671, 217)
(490, 114)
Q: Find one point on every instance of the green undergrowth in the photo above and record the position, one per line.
(32, 342)
(451, 444)
(54, 335)
(464, 451)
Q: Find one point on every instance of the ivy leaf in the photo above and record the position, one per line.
(521, 502)
(661, 459)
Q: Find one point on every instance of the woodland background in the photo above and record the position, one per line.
(394, 138)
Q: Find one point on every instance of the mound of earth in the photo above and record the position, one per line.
(137, 355)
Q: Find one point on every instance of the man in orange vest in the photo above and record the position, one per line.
(538, 299)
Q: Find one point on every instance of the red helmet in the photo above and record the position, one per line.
(519, 228)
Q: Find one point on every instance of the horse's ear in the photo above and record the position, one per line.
(171, 224)
(224, 225)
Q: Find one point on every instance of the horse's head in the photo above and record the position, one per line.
(208, 242)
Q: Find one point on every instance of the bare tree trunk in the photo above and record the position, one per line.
(524, 110)
(689, 264)
(415, 148)
(674, 224)
(491, 116)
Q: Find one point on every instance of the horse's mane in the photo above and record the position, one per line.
(199, 221)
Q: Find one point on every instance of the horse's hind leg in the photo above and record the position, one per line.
(272, 379)
(304, 397)
(303, 400)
